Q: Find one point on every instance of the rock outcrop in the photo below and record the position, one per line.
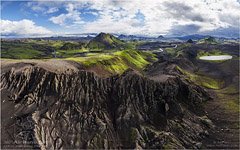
(48, 110)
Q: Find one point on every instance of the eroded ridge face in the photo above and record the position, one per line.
(82, 110)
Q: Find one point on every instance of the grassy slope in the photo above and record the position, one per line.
(118, 62)
(209, 40)
(176, 52)
(41, 49)
(17, 50)
(20, 53)
(111, 60)
(229, 95)
(202, 80)
(70, 53)
(37, 49)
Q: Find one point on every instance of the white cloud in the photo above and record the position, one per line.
(71, 15)
(160, 16)
(22, 28)
(44, 7)
(52, 10)
(38, 8)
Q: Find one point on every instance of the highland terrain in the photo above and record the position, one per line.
(109, 92)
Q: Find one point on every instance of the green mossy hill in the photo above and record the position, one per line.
(181, 51)
(208, 40)
(71, 46)
(105, 41)
(118, 62)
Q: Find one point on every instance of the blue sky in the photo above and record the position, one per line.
(140, 17)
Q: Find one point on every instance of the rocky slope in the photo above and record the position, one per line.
(52, 110)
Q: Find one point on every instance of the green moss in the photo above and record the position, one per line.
(21, 53)
(171, 51)
(77, 59)
(25, 50)
(231, 89)
(232, 105)
(208, 40)
(91, 59)
(176, 52)
(17, 50)
(40, 49)
(128, 59)
(70, 53)
(137, 59)
(116, 66)
(130, 45)
(57, 44)
(71, 46)
(202, 80)
(117, 62)
(52, 43)
(209, 82)
(229, 100)
(94, 45)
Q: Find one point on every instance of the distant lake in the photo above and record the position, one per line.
(217, 57)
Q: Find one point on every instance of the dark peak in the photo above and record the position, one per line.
(210, 38)
(121, 35)
(189, 41)
(102, 34)
(104, 37)
(105, 41)
(160, 37)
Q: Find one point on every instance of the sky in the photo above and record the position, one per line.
(131, 17)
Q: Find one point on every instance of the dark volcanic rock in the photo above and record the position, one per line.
(82, 110)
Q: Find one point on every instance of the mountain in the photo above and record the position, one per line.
(193, 37)
(189, 41)
(128, 37)
(105, 41)
(122, 36)
(208, 40)
(136, 37)
(160, 37)
(77, 109)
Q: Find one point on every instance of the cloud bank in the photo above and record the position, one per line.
(160, 17)
(142, 17)
(22, 28)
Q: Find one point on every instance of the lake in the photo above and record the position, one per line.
(217, 57)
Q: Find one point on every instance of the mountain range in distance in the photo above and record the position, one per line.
(89, 36)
